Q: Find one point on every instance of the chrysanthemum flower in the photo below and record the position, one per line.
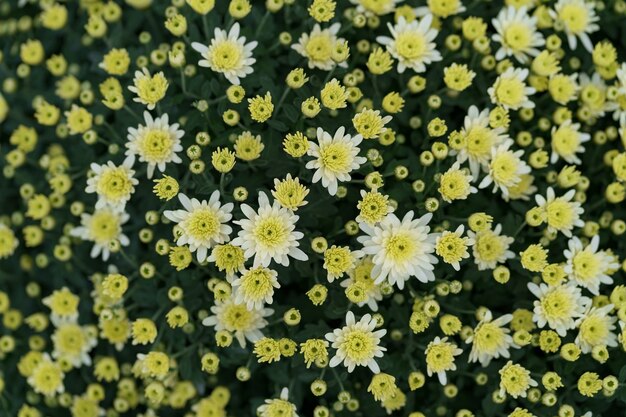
(567, 140)
(401, 249)
(335, 157)
(587, 266)
(228, 53)
(440, 358)
(357, 343)
(203, 223)
(515, 380)
(255, 287)
(596, 328)
(517, 34)
(578, 18)
(506, 168)
(412, 43)
(318, 46)
(268, 234)
(452, 246)
(103, 228)
(477, 139)
(491, 339)
(490, 247)
(561, 213)
(156, 143)
(558, 306)
(245, 324)
(510, 90)
(113, 184)
(278, 406)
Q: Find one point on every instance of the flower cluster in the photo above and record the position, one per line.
(318, 208)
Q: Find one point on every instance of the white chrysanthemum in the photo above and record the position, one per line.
(361, 275)
(269, 233)
(103, 228)
(8, 241)
(375, 7)
(243, 323)
(440, 356)
(621, 78)
(335, 157)
(440, 9)
(72, 343)
(155, 143)
(567, 140)
(558, 306)
(319, 45)
(357, 343)
(561, 213)
(202, 223)
(510, 90)
(490, 247)
(578, 19)
(491, 339)
(593, 95)
(506, 168)
(401, 249)
(451, 246)
(517, 34)
(278, 406)
(228, 53)
(479, 138)
(596, 328)
(113, 184)
(255, 287)
(412, 43)
(587, 266)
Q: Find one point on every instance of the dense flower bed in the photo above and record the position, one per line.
(313, 208)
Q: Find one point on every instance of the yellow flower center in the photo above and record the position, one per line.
(70, 340)
(451, 248)
(256, 284)
(479, 141)
(358, 345)
(557, 305)
(575, 17)
(319, 47)
(336, 157)
(594, 330)
(400, 247)
(504, 168)
(226, 55)
(586, 265)
(373, 207)
(47, 377)
(104, 227)
(565, 141)
(376, 6)
(517, 36)
(440, 357)
(515, 379)
(279, 408)
(510, 91)
(559, 214)
(411, 45)
(114, 184)
(337, 260)
(236, 317)
(454, 185)
(202, 224)
(155, 145)
(489, 246)
(271, 232)
(488, 337)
